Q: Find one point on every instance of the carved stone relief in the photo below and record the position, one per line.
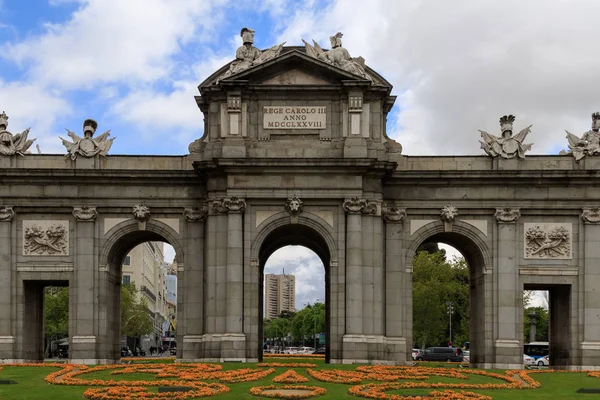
(393, 214)
(227, 205)
(506, 145)
(591, 215)
(357, 205)
(293, 205)
(141, 212)
(85, 213)
(588, 144)
(6, 213)
(507, 214)
(548, 241)
(448, 213)
(87, 146)
(11, 144)
(195, 214)
(43, 238)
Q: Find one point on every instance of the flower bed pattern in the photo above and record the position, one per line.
(369, 381)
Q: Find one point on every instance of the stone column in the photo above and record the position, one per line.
(590, 281)
(211, 341)
(508, 309)
(83, 338)
(191, 286)
(233, 346)
(7, 339)
(354, 340)
(395, 318)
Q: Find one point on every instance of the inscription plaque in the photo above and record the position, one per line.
(294, 117)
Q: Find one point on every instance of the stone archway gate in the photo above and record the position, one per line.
(522, 222)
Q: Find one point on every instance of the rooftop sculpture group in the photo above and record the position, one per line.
(506, 145)
(88, 146)
(588, 144)
(13, 144)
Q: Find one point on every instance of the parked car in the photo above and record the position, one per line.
(441, 354)
(415, 353)
(306, 350)
(543, 361)
(528, 360)
(466, 356)
(320, 350)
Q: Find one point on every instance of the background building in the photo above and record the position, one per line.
(144, 267)
(280, 294)
(170, 325)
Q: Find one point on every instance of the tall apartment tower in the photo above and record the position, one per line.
(280, 294)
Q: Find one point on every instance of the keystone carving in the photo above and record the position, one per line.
(228, 204)
(393, 214)
(195, 214)
(507, 214)
(13, 144)
(141, 212)
(548, 241)
(87, 146)
(356, 205)
(45, 238)
(293, 206)
(6, 213)
(448, 213)
(588, 144)
(85, 213)
(506, 145)
(591, 215)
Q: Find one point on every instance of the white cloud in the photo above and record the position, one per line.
(169, 253)
(28, 106)
(458, 66)
(114, 40)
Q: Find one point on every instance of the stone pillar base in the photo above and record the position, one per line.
(222, 347)
(396, 351)
(508, 354)
(192, 347)
(6, 348)
(363, 349)
(82, 350)
(590, 355)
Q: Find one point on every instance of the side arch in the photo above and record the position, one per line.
(480, 254)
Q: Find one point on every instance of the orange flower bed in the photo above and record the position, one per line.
(290, 376)
(286, 365)
(276, 394)
(123, 393)
(373, 391)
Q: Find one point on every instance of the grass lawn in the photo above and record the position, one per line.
(31, 384)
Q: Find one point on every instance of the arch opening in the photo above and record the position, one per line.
(287, 245)
(454, 299)
(140, 281)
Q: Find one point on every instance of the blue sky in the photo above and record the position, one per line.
(456, 67)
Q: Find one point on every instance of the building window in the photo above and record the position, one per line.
(127, 260)
(126, 279)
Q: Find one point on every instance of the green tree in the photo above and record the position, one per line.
(135, 316)
(287, 314)
(541, 325)
(437, 282)
(56, 314)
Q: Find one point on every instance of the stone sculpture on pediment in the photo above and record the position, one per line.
(13, 144)
(588, 144)
(506, 145)
(338, 56)
(247, 55)
(88, 146)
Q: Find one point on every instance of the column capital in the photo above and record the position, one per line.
(85, 213)
(393, 214)
(196, 214)
(6, 213)
(228, 205)
(357, 205)
(507, 215)
(591, 215)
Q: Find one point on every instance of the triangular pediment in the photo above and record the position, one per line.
(292, 67)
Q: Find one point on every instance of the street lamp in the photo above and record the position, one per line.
(315, 326)
(450, 310)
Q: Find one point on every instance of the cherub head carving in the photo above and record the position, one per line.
(336, 40)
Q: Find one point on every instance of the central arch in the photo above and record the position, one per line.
(307, 231)
(471, 243)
